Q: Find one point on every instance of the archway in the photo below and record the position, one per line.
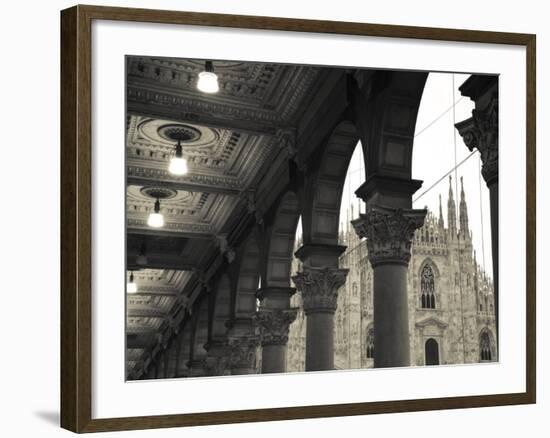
(431, 352)
(280, 241)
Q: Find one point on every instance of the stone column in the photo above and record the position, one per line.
(481, 132)
(274, 325)
(319, 287)
(242, 345)
(242, 355)
(273, 320)
(216, 362)
(389, 233)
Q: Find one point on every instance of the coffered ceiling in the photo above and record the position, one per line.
(229, 140)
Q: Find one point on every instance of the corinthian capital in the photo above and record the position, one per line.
(389, 233)
(319, 287)
(242, 352)
(274, 325)
(481, 132)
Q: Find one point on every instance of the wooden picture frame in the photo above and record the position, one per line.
(76, 218)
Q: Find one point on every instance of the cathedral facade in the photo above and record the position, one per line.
(451, 301)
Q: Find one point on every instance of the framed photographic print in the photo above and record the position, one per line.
(268, 218)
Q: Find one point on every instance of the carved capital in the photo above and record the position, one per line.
(481, 132)
(225, 249)
(389, 233)
(242, 352)
(274, 325)
(286, 140)
(319, 287)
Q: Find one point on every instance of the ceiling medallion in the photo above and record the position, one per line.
(158, 192)
(179, 131)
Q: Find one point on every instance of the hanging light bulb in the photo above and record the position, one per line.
(208, 80)
(178, 164)
(156, 219)
(131, 286)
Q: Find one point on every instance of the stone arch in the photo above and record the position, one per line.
(249, 265)
(385, 110)
(428, 297)
(323, 189)
(279, 244)
(487, 345)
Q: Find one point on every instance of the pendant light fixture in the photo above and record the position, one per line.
(208, 80)
(156, 219)
(131, 286)
(178, 164)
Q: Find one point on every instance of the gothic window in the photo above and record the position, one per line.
(354, 288)
(370, 344)
(485, 347)
(427, 288)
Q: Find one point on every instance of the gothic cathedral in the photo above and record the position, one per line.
(451, 302)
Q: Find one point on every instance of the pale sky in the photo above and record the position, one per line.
(434, 158)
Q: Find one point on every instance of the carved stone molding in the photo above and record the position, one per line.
(481, 132)
(319, 287)
(274, 325)
(389, 233)
(242, 352)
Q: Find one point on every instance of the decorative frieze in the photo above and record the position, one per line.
(481, 132)
(274, 325)
(389, 233)
(319, 287)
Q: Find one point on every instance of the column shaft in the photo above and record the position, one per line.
(391, 316)
(389, 233)
(319, 341)
(274, 319)
(319, 287)
(273, 359)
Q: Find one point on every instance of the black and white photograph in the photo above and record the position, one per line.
(275, 219)
(286, 218)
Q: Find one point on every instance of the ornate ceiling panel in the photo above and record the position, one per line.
(263, 92)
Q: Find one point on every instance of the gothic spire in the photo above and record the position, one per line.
(451, 209)
(476, 270)
(440, 222)
(464, 229)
